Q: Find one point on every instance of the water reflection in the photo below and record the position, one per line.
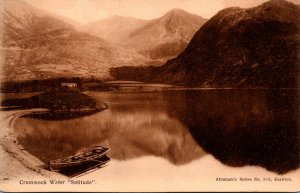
(238, 127)
(135, 125)
(244, 127)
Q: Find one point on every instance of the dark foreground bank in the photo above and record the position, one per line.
(71, 103)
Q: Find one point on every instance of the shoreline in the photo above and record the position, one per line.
(11, 147)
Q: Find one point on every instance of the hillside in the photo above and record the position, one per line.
(256, 47)
(166, 36)
(158, 39)
(114, 29)
(38, 45)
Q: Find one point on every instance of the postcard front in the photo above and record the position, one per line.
(109, 95)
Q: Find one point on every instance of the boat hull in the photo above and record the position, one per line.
(63, 166)
(90, 157)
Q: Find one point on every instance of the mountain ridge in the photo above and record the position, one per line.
(255, 47)
(113, 28)
(37, 45)
(166, 36)
(157, 39)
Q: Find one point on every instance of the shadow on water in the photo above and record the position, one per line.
(244, 127)
(238, 127)
(59, 115)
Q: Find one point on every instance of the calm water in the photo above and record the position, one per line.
(238, 127)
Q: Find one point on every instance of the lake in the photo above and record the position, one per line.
(238, 127)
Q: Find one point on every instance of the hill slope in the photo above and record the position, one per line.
(114, 29)
(256, 47)
(38, 45)
(160, 38)
(242, 47)
(166, 36)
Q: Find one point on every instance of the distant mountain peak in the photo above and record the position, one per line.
(159, 38)
(176, 12)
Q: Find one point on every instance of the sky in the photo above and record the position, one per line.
(85, 11)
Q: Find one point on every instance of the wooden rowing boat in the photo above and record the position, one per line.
(88, 156)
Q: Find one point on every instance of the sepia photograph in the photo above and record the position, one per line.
(149, 95)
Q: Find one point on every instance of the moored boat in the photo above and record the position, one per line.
(88, 156)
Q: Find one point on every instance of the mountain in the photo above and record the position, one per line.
(36, 44)
(166, 36)
(22, 20)
(256, 47)
(162, 38)
(114, 29)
